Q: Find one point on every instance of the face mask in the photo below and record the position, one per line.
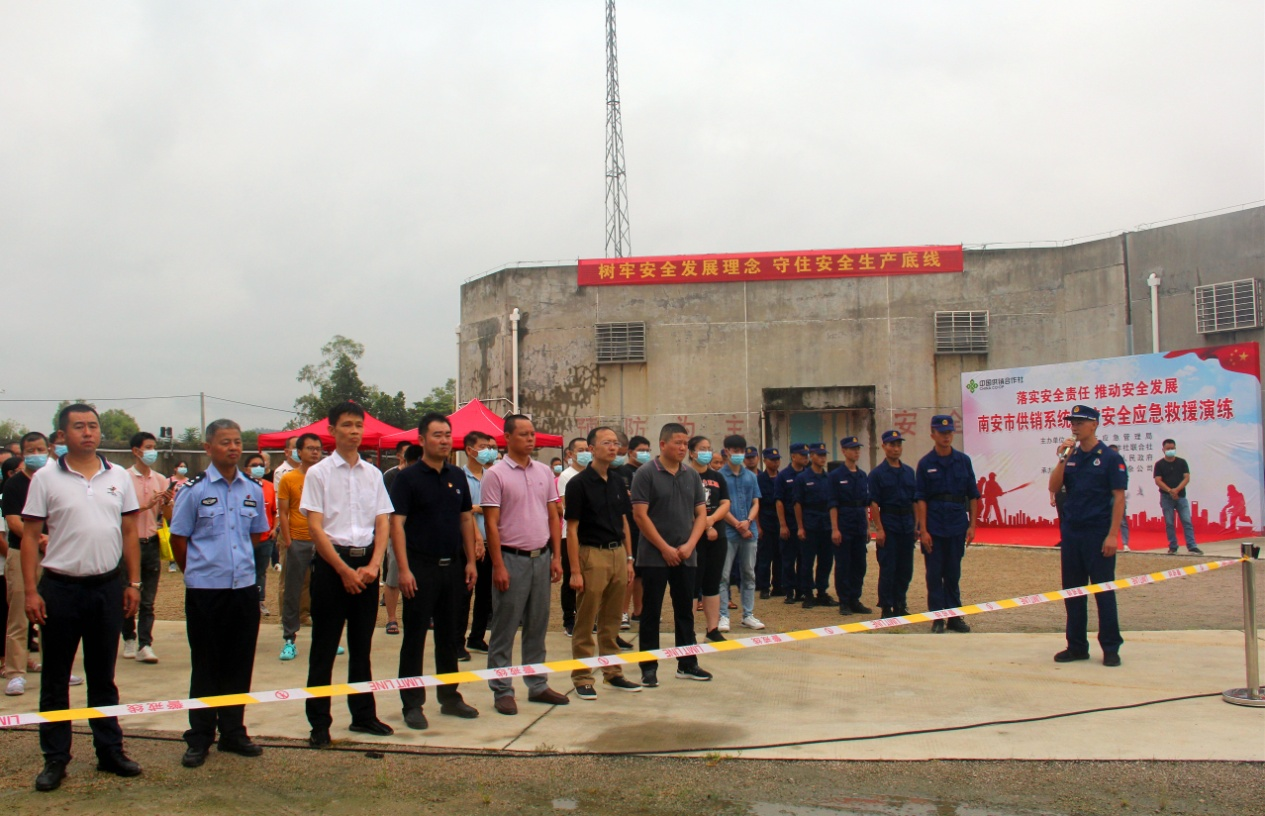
(703, 457)
(60, 450)
(557, 468)
(294, 454)
(35, 461)
(584, 458)
(149, 457)
(643, 456)
(1170, 453)
(257, 471)
(736, 458)
(621, 460)
(486, 456)
(182, 470)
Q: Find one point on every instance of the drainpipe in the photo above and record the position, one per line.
(456, 388)
(1154, 282)
(514, 318)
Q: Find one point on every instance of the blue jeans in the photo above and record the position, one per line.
(742, 550)
(1181, 506)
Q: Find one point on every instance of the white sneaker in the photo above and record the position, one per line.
(171, 567)
(1125, 548)
(146, 655)
(624, 623)
(752, 622)
(276, 568)
(263, 610)
(129, 649)
(75, 680)
(724, 625)
(16, 686)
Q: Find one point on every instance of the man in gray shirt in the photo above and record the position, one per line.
(670, 508)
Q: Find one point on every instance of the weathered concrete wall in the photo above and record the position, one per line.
(712, 350)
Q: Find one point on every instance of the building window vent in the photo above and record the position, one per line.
(962, 332)
(1228, 306)
(621, 342)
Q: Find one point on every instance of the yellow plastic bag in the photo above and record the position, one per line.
(164, 542)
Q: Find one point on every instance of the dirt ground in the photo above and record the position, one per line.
(291, 779)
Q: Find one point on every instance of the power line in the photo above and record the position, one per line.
(169, 397)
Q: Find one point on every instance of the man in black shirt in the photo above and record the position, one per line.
(1172, 474)
(431, 527)
(599, 547)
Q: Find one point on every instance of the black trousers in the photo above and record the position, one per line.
(679, 580)
(93, 614)
(768, 559)
(851, 560)
(440, 593)
(895, 569)
(790, 561)
(332, 607)
(151, 570)
(223, 628)
(816, 547)
(1083, 563)
(568, 594)
(482, 599)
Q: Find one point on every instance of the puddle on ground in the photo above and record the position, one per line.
(565, 804)
(883, 806)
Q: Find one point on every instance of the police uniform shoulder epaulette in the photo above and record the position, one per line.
(194, 480)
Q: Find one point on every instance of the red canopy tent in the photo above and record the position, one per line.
(473, 416)
(375, 429)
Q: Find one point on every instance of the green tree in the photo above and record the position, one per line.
(61, 405)
(12, 430)
(442, 399)
(117, 426)
(190, 438)
(334, 379)
(392, 410)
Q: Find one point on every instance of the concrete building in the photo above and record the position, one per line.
(820, 359)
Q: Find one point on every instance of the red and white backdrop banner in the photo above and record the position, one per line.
(1208, 400)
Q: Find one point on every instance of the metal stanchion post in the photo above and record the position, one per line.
(1252, 695)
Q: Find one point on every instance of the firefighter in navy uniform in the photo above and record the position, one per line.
(788, 530)
(812, 517)
(850, 527)
(768, 558)
(1096, 479)
(946, 505)
(892, 485)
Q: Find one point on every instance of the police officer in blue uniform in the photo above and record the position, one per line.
(946, 505)
(850, 527)
(218, 518)
(788, 529)
(812, 516)
(1096, 479)
(768, 554)
(892, 486)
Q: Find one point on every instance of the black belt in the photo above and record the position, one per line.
(435, 559)
(525, 553)
(610, 545)
(85, 580)
(150, 540)
(352, 552)
(901, 510)
(947, 497)
(852, 504)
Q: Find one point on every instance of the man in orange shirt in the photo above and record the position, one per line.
(295, 540)
(154, 495)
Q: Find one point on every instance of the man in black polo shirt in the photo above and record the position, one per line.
(599, 547)
(430, 529)
(1172, 474)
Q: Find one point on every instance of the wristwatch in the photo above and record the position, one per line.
(135, 585)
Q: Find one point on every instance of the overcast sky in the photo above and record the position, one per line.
(203, 193)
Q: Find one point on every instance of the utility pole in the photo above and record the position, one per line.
(618, 241)
(202, 427)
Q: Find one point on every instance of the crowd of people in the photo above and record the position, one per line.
(470, 554)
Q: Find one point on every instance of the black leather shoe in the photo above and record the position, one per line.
(193, 757)
(808, 602)
(243, 746)
(887, 612)
(50, 778)
(844, 610)
(937, 627)
(415, 719)
(319, 738)
(1111, 659)
(1067, 656)
(959, 625)
(764, 595)
(790, 599)
(902, 610)
(376, 727)
(118, 763)
(650, 678)
(825, 599)
(459, 708)
(860, 608)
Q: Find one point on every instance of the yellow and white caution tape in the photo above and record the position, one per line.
(627, 659)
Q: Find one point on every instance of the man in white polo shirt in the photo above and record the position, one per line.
(89, 507)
